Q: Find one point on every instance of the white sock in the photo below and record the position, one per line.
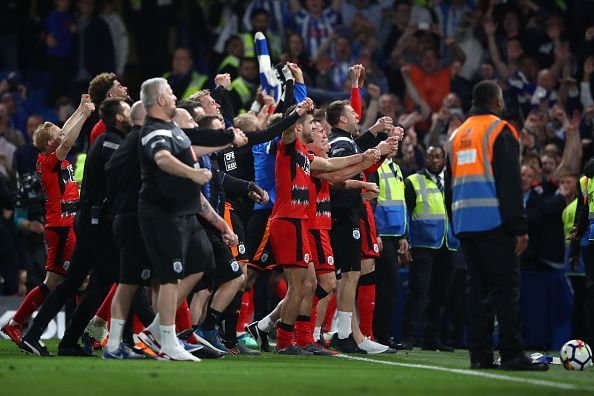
(13, 323)
(344, 324)
(266, 324)
(115, 334)
(168, 337)
(317, 332)
(155, 328)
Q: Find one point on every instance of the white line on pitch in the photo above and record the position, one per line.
(473, 373)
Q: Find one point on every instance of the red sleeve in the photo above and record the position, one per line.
(356, 101)
(373, 168)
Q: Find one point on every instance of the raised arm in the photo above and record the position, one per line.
(73, 125)
(273, 130)
(289, 135)
(373, 108)
(411, 90)
(501, 67)
(572, 152)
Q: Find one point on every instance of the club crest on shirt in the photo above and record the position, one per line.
(356, 233)
(66, 265)
(234, 266)
(376, 247)
(306, 258)
(177, 266)
(230, 162)
(241, 248)
(330, 260)
(264, 257)
(146, 274)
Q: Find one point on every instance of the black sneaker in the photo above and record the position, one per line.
(205, 352)
(405, 346)
(483, 365)
(293, 350)
(73, 350)
(347, 345)
(437, 347)
(260, 336)
(319, 350)
(523, 363)
(241, 349)
(34, 347)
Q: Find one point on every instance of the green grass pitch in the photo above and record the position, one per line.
(272, 374)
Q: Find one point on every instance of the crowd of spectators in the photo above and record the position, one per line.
(421, 58)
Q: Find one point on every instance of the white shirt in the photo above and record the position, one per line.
(435, 177)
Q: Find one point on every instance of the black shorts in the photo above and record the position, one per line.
(235, 221)
(135, 267)
(176, 245)
(259, 249)
(345, 237)
(226, 266)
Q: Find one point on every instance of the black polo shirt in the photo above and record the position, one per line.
(168, 193)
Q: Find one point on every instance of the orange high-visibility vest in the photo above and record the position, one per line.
(475, 205)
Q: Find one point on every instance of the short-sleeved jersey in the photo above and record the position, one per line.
(59, 188)
(318, 213)
(171, 194)
(292, 180)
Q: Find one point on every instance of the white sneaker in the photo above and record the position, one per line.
(372, 347)
(149, 339)
(178, 354)
(97, 330)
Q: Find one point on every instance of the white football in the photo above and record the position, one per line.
(576, 355)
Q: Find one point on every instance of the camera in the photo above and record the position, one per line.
(30, 194)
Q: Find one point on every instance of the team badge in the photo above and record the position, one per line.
(177, 267)
(264, 257)
(330, 260)
(356, 233)
(234, 266)
(306, 258)
(146, 274)
(66, 265)
(376, 247)
(241, 248)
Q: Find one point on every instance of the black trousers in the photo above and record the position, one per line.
(387, 285)
(493, 290)
(588, 255)
(94, 250)
(429, 280)
(579, 329)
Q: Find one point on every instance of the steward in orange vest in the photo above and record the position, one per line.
(489, 219)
